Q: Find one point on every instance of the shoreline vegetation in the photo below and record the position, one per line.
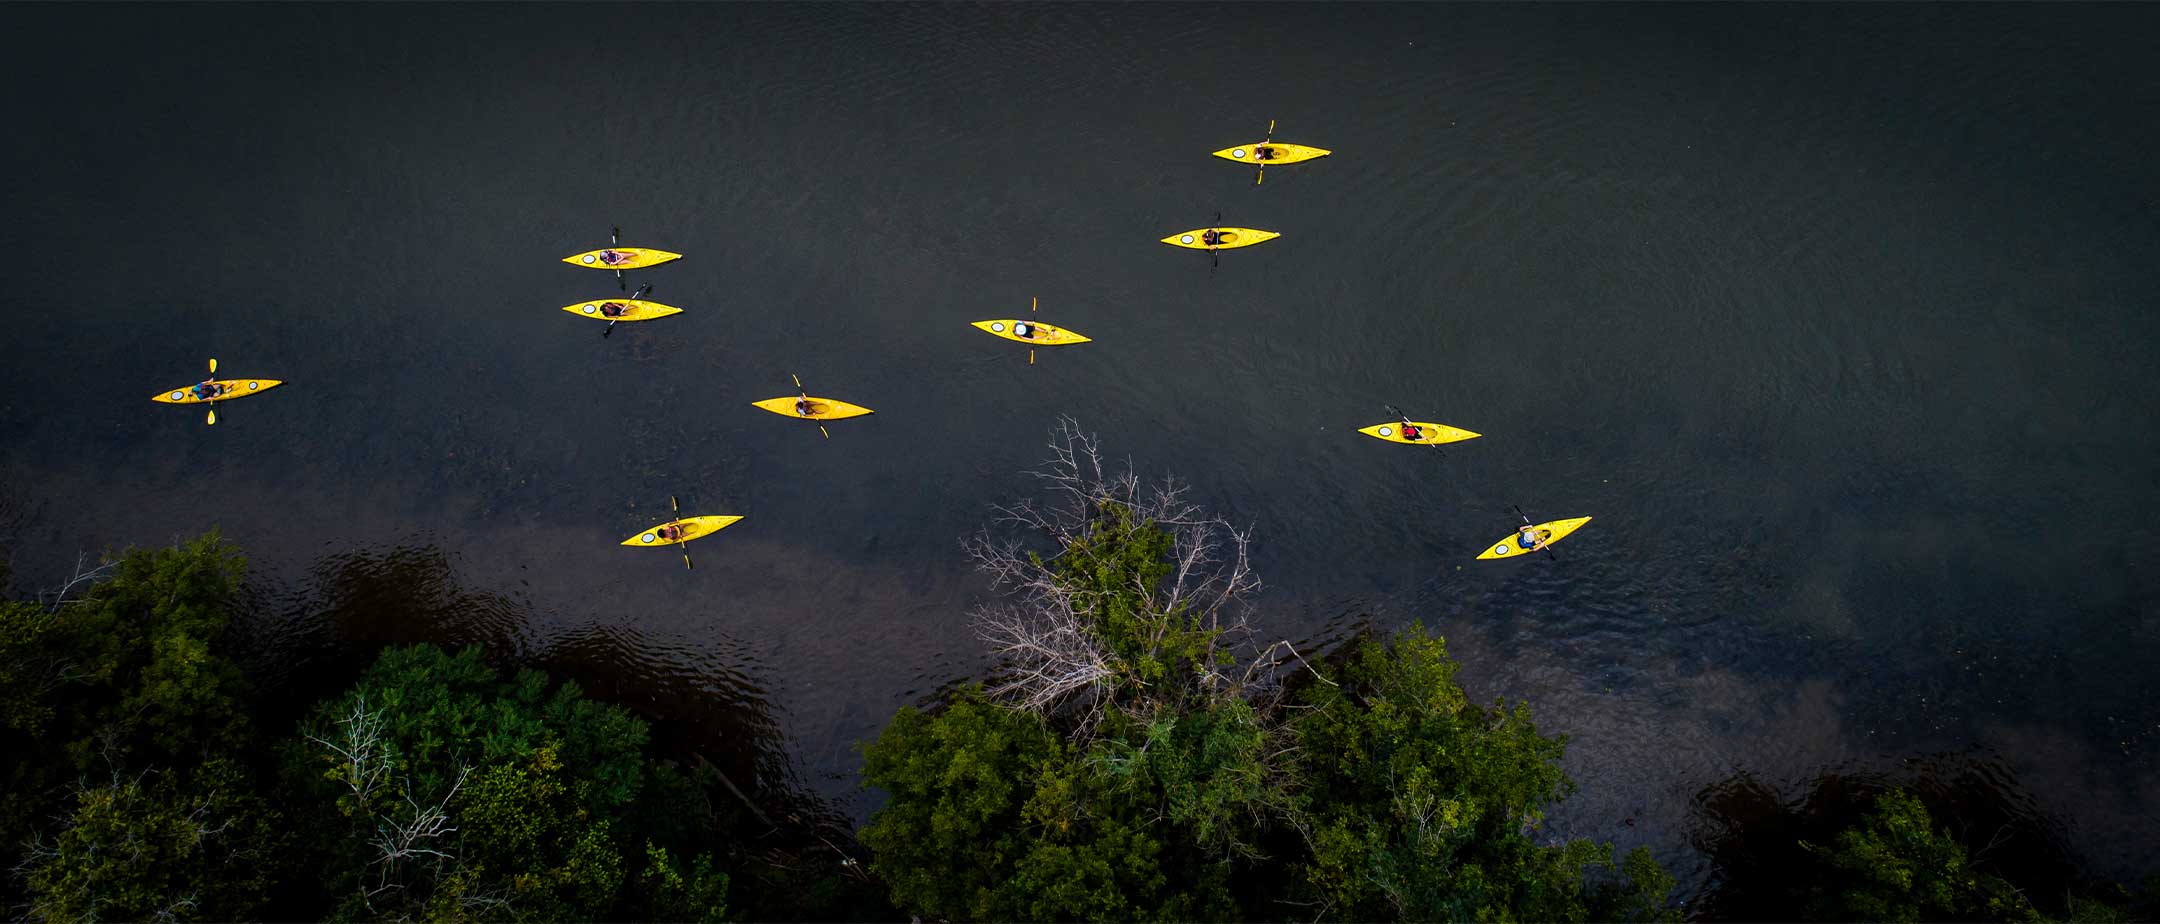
(1144, 752)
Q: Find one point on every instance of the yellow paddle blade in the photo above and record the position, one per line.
(213, 364)
(797, 378)
(213, 417)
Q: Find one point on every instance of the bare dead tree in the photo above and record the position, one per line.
(363, 756)
(1046, 629)
(85, 577)
(414, 836)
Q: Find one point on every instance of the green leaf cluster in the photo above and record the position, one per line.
(128, 685)
(1113, 568)
(138, 788)
(1423, 805)
(1898, 865)
(176, 845)
(537, 788)
(991, 818)
(1381, 792)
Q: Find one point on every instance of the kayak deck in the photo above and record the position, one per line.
(1285, 153)
(820, 408)
(1551, 532)
(638, 310)
(1045, 334)
(1434, 433)
(640, 257)
(692, 528)
(1231, 238)
(234, 388)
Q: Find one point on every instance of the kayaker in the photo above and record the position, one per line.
(208, 389)
(1263, 152)
(802, 406)
(613, 309)
(1211, 237)
(1411, 432)
(1023, 329)
(613, 257)
(669, 533)
(1528, 538)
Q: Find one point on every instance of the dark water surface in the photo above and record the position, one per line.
(1841, 320)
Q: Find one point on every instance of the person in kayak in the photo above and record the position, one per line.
(1023, 329)
(616, 257)
(207, 389)
(1263, 152)
(1411, 432)
(802, 406)
(613, 309)
(1528, 538)
(669, 533)
(1211, 237)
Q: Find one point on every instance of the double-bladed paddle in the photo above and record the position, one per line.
(1526, 522)
(806, 402)
(1408, 423)
(642, 291)
(677, 524)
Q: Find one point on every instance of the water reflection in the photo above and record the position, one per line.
(1750, 829)
(704, 701)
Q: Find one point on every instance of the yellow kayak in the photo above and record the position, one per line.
(1284, 153)
(1231, 237)
(1551, 532)
(233, 388)
(692, 528)
(631, 258)
(820, 408)
(1044, 334)
(1427, 433)
(635, 309)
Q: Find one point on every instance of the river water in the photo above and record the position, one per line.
(1840, 320)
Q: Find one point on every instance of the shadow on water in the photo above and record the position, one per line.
(310, 643)
(1751, 831)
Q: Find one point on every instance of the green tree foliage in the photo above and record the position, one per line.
(1898, 865)
(449, 790)
(1422, 804)
(992, 819)
(129, 683)
(164, 846)
(694, 892)
(1126, 767)
(125, 677)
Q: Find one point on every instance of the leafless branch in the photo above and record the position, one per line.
(364, 757)
(84, 576)
(397, 841)
(1044, 631)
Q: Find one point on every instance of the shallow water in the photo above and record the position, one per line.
(1839, 320)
